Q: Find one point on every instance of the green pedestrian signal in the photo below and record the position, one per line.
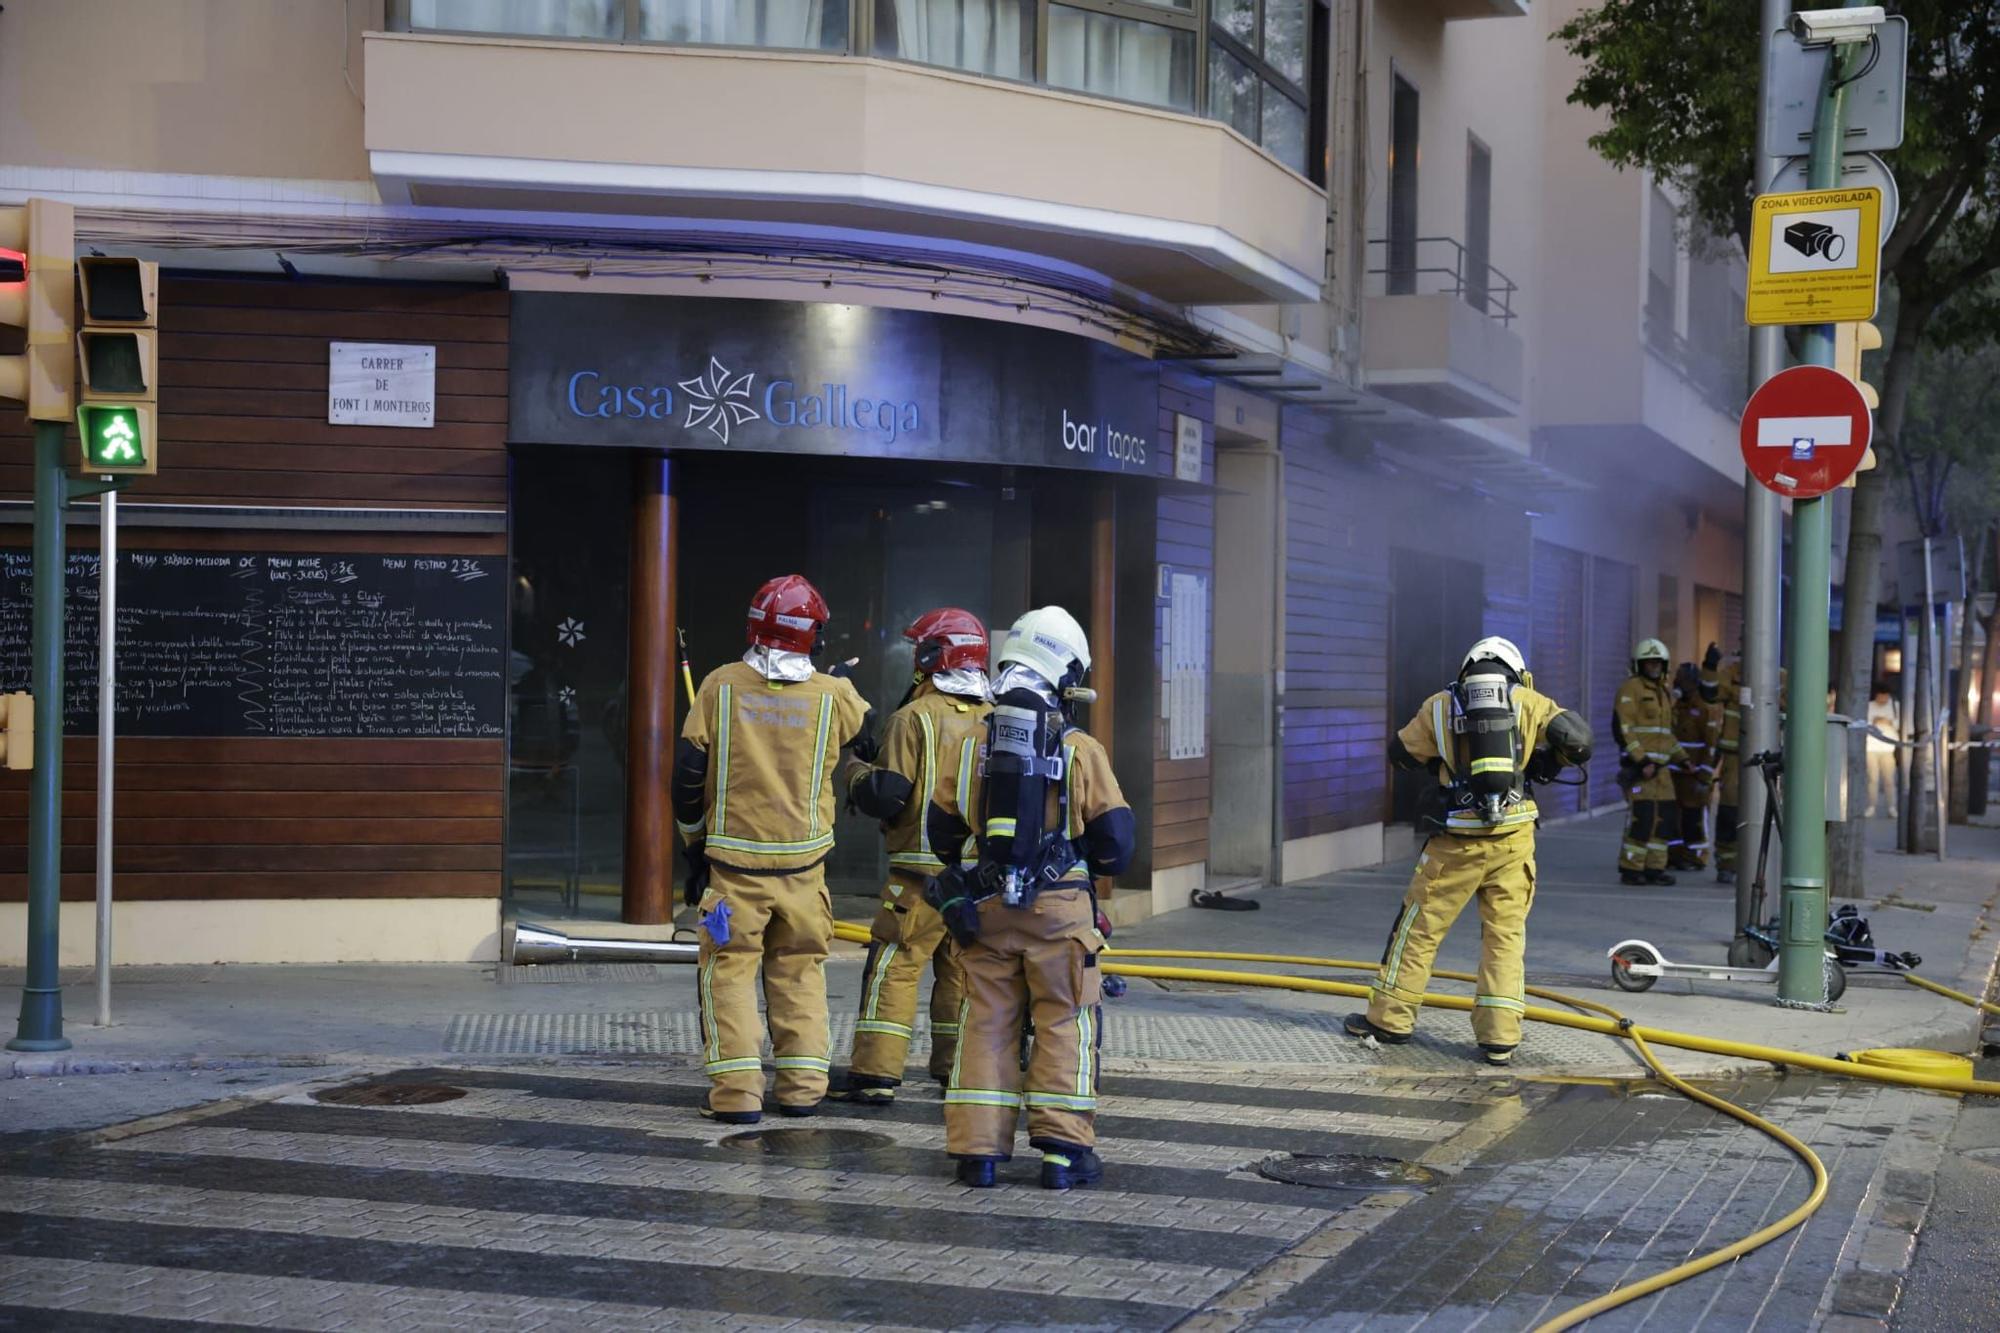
(116, 438)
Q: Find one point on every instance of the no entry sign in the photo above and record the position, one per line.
(1805, 431)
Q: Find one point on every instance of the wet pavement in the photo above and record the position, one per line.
(594, 1196)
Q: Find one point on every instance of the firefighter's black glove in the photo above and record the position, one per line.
(844, 670)
(1712, 658)
(1544, 765)
(696, 883)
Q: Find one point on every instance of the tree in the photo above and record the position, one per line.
(1949, 461)
(1677, 80)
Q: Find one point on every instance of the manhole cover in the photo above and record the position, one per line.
(804, 1142)
(1347, 1171)
(390, 1094)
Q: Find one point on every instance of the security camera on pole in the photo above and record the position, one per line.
(1814, 259)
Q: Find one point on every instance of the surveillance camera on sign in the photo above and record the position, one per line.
(1837, 27)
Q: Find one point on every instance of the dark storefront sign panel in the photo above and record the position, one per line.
(840, 380)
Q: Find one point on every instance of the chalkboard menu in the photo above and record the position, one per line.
(224, 643)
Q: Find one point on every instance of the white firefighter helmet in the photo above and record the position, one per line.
(1650, 650)
(1494, 648)
(1049, 640)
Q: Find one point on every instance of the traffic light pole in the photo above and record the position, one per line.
(41, 1023)
(1763, 553)
(1803, 897)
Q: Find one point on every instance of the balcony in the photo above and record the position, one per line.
(1449, 10)
(750, 142)
(1436, 331)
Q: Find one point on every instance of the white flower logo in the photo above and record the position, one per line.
(719, 402)
(570, 631)
(566, 694)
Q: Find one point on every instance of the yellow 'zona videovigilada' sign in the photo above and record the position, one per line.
(1815, 257)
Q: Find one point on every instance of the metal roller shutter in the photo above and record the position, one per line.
(1556, 652)
(1611, 638)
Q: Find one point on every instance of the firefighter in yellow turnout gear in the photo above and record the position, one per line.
(753, 799)
(1643, 727)
(1038, 800)
(923, 742)
(1698, 728)
(1487, 739)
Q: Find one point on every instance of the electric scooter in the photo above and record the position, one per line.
(1637, 964)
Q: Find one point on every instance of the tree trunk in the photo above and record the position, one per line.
(1847, 840)
(1920, 828)
(1961, 707)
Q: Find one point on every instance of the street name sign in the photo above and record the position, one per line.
(381, 384)
(1805, 431)
(1815, 256)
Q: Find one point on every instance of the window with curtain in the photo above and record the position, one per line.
(1092, 52)
(808, 24)
(995, 37)
(1261, 62)
(602, 19)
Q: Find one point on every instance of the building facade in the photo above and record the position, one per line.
(504, 341)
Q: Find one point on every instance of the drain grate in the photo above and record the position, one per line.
(803, 1146)
(390, 1094)
(1348, 1171)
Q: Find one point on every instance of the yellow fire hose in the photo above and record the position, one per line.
(1933, 1070)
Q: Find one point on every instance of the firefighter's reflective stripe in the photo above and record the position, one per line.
(711, 1035)
(802, 1062)
(1523, 813)
(716, 842)
(922, 857)
(966, 749)
(1075, 829)
(1086, 1045)
(883, 957)
(1500, 1002)
(731, 1066)
(957, 1096)
(1000, 827)
(1069, 1102)
(693, 830)
(882, 1027)
(725, 715)
(819, 765)
(1495, 765)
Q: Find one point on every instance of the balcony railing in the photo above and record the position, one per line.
(1440, 266)
(1256, 71)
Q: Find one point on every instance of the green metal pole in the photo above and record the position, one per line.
(41, 1025)
(1802, 902)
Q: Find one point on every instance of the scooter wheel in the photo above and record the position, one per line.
(1622, 975)
(1836, 979)
(1745, 951)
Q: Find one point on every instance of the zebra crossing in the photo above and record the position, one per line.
(530, 1197)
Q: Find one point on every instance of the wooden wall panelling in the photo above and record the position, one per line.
(243, 375)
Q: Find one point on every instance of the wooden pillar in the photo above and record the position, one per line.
(1104, 622)
(651, 684)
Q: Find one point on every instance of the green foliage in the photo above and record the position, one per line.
(1949, 465)
(1678, 81)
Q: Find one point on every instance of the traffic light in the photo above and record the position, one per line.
(1850, 343)
(38, 296)
(17, 729)
(117, 352)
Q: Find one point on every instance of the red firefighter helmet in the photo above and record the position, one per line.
(786, 613)
(947, 639)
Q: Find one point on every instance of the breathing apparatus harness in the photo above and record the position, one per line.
(1021, 850)
(1493, 779)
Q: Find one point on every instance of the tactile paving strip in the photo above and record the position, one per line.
(1443, 1041)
